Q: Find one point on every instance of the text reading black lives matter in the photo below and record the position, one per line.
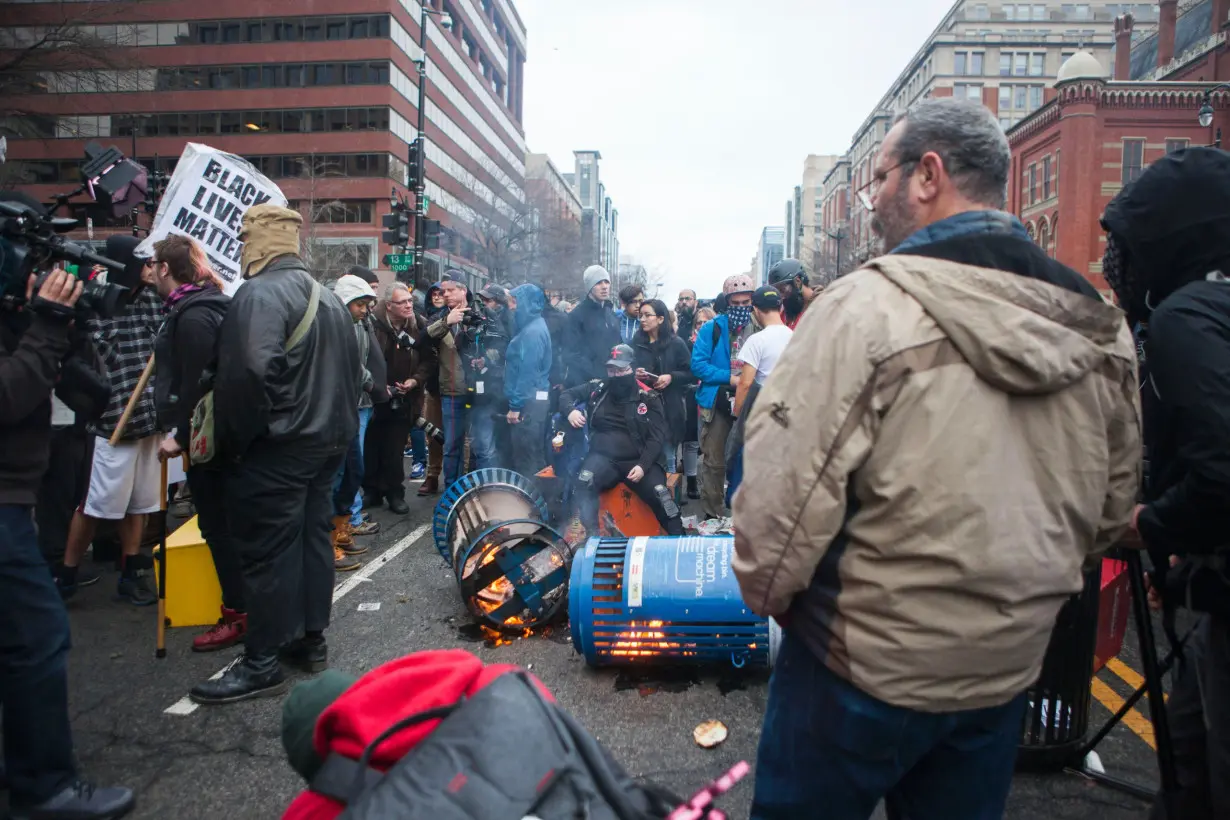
(215, 215)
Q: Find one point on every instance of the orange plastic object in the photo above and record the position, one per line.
(621, 513)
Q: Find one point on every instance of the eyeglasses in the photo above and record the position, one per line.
(867, 194)
(400, 302)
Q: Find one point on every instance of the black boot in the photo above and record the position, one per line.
(308, 654)
(80, 801)
(398, 505)
(250, 676)
(693, 490)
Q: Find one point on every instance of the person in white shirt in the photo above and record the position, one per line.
(761, 352)
(759, 355)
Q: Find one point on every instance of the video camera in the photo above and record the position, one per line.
(31, 240)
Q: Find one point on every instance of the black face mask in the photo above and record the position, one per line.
(622, 386)
(793, 304)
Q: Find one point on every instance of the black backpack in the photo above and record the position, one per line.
(503, 754)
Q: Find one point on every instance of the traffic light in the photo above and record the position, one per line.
(413, 164)
(431, 233)
(398, 223)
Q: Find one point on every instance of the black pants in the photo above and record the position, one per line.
(278, 503)
(62, 488)
(34, 642)
(527, 441)
(599, 474)
(208, 485)
(384, 462)
(1199, 712)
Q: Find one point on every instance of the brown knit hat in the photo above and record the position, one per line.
(269, 231)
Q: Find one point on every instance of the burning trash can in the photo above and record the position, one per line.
(511, 568)
(664, 600)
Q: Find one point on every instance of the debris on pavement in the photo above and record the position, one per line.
(709, 734)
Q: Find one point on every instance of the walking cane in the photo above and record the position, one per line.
(161, 651)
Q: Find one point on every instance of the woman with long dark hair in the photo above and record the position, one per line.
(185, 349)
(662, 361)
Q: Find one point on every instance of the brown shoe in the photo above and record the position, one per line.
(430, 485)
(366, 528)
(343, 537)
(343, 562)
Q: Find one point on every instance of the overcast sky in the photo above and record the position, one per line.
(705, 109)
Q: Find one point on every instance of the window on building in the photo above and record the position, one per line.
(1019, 64)
(1033, 184)
(1046, 178)
(1037, 63)
(1035, 97)
(1044, 237)
(1019, 96)
(967, 91)
(1133, 159)
(1005, 123)
(1039, 12)
(1056, 180)
(1176, 145)
(1005, 64)
(343, 212)
(975, 63)
(959, 60)
(981, 11)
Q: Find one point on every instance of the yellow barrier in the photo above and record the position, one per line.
(193, 595)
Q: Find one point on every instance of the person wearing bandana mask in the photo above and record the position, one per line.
(284, 417)
(715, 363)
(627, 431)
(1168, 261)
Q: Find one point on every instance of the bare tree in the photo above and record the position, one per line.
(74, 46)
(498, 220)
(326, 258)
(553, 249)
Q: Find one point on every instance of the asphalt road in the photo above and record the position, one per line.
(228, 761)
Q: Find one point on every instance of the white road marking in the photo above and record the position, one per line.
(185, 706)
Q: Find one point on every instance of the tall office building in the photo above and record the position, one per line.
(769, 251)
(599, 218)
(321, 97)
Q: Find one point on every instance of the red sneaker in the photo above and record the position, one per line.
(228, 631)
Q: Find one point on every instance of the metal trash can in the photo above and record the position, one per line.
(664, 600)
(511, 567)
(1056, 725)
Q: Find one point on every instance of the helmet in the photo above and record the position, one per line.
(786, 271)
(739, 283)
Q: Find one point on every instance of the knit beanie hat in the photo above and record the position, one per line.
(594, 275)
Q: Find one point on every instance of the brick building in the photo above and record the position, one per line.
(1096, 133)
(320, 95)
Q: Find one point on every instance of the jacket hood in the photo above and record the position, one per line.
(1022, 335)
(351, 287)
(269, 231)
(530, 303)
(1173, 222)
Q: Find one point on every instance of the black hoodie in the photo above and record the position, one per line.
(1172, 226)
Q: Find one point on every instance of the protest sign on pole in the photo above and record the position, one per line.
(206, 199)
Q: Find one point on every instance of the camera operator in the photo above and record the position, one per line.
(1168, 261)
(38, 746)
(454, 336)
(494, 328)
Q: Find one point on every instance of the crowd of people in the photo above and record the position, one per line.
(942, 445)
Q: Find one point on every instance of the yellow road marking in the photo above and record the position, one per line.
(1127, 673)
(1134, 720)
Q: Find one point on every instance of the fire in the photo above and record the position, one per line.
(646, 641)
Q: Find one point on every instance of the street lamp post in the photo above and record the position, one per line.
(420, 182)
(1205, 115)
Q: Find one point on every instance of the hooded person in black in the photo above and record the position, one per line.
(1168, 261)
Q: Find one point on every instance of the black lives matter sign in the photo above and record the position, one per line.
(206, 199)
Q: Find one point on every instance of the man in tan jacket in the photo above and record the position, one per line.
(951, 435)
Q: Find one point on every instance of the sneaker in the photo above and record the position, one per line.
(368, 527)
(343, 562)
(418, 471)
(81, 801)
(408, 452)
(136, 590)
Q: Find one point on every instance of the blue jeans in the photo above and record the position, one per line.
(482, 436)
(38, 743)
(418, 445)
(356, 508)
(455, 416)
(828, 749)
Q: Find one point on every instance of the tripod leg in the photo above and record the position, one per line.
(1153, 675)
